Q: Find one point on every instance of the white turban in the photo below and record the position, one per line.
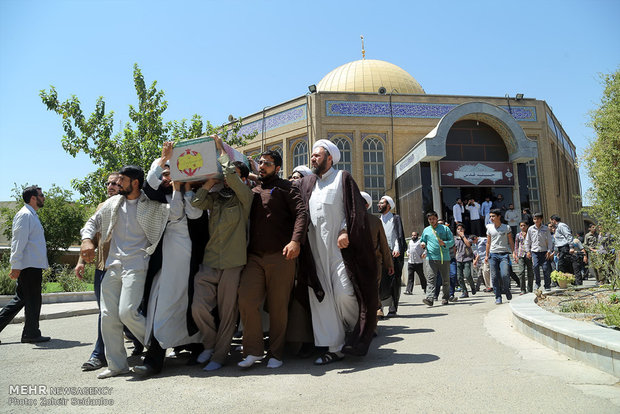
(390, 201)
(367, 197)
(303, 170)
(329, 146)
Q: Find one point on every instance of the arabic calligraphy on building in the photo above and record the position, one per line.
(463, 174)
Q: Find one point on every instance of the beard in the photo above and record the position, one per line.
(320, 168)
(382, 209)
(39, 202)
(126, 192)
(166, 189)
(415, 239)
(267, 177)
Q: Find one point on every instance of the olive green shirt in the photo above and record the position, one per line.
(228, 219)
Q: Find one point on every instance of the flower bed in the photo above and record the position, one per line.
(597, 305)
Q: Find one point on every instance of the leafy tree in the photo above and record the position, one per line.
(140, 141)
(602, 159)
(60, 217)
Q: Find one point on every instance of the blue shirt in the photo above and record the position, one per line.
(28, 241)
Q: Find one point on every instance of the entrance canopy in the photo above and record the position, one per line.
(433, 146)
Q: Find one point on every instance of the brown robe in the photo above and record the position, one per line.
(359, 260)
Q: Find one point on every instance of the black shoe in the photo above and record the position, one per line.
(391, 314)
(408, 293)
(35, 340)
(145, 370)
(453, 298)
(509, 295)
(137, 350)
(427, 302)
(93, 364)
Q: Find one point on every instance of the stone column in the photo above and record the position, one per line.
(435, 188)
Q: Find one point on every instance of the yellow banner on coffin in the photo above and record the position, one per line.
(191, 161)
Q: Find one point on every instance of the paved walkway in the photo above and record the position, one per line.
(464, 357)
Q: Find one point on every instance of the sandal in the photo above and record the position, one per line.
(328, 358)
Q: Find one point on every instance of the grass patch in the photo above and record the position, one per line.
(55, 287)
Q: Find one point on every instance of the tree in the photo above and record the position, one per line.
(602, 159)
(138, 144)
(60, 217)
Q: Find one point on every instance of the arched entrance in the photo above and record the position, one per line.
(474, 136)
(474, 151)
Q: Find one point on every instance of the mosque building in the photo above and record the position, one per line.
(424, 150)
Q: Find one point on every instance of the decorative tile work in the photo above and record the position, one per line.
(411, 110)
(275, 121)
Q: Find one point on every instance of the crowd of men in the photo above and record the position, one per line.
(187, 265)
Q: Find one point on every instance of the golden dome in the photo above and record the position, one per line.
(369, 76)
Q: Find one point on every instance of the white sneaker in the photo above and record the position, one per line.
(274, 363)
(204, 356)
(108, 373)
(249, 361)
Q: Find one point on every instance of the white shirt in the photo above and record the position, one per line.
(128, 241)
(538, 239)
(512, 217)
(28, 241)
(415, 252)
(390, 233)
(458, 211)
(474, 211)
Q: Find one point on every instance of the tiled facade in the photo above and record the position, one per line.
(353, 117)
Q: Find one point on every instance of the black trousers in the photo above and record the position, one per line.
(28, 295)
(564, 259)
(412, 269)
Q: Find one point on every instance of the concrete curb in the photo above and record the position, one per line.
(59, 313)
(61, 297)
(589, 343)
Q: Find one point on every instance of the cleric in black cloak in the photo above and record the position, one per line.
(337, 263)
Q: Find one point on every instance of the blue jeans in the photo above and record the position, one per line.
(538, 260)
(99, 351)
(500, 273)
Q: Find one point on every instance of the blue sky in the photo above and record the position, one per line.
(235, 57)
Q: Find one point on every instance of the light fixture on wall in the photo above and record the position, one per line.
(382, 91)
(312, 88)
(519, 96)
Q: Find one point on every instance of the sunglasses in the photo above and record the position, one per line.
(267, 163)
(109, 183)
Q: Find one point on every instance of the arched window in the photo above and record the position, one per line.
(344, 146)
(374, 172)
(300, 154)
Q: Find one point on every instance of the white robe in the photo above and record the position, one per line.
(338, 312)
(168, 302)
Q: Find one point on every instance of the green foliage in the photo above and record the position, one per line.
(602, 159)
(60, 217)
(61, 278)
(7, 285)
(69, 282)
(140, 141)
(556, 275)
(612, 314)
